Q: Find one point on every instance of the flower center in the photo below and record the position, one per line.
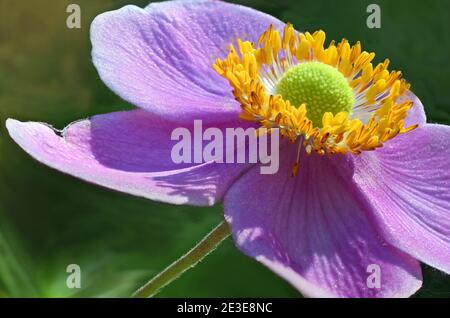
(330, 98)
(321, 87)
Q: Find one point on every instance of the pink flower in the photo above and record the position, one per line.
(340, 205)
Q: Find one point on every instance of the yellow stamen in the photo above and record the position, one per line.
(376, 117)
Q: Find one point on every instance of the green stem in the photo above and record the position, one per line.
(189, 260)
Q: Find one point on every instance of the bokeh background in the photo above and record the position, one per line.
(49, 220)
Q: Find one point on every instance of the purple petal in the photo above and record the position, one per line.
(314, 231)
(129, 152)
(408, 182)
(162, 55)
(416, 115)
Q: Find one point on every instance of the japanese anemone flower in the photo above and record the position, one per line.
(363, 179)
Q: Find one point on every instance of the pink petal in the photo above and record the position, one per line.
(162, 55)
(314, 231)
(416, 114)
(129, 152)
(408, 182)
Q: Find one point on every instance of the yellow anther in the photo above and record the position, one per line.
(303, 50)
(253, 73)
(288, 36)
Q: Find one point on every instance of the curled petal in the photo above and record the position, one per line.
(416, 114)
(129, 152)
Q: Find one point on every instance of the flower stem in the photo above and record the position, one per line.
(187, 261)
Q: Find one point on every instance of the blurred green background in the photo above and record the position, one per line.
(49, 220)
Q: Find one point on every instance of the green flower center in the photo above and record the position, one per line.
(320, 86)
